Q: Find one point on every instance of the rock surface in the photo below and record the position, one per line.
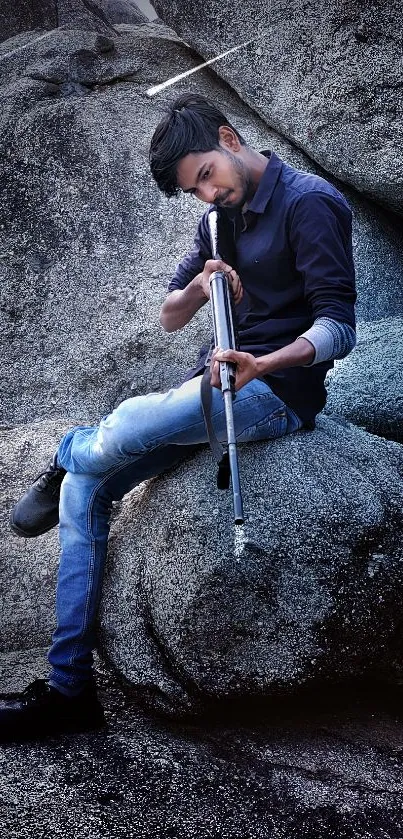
(378, 254)
(22, 15)
(122, 11)
(319, 773)
(89, 240)
(312, 593)
(326, 773)
(83, 15)
(25, 15)
(324, 75)
(87, 237)
(28, 567)
(367, 386)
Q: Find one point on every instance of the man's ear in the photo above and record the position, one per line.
(228, 138)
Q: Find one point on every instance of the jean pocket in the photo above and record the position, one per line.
(269, 427)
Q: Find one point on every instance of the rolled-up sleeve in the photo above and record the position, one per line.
(320, 236)
(194, 261)
(330, 339)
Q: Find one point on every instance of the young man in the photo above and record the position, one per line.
(286, 247)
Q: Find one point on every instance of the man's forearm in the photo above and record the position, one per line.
(297, 354)
(180, 305)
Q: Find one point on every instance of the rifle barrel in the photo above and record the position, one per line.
(233, 459)
(224, 337)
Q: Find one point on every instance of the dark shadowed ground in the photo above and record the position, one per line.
(333, 770)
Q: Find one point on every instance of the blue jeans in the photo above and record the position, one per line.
(141, 438)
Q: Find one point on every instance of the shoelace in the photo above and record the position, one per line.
(48, 478)
(51, 477)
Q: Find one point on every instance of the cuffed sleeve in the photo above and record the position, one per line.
(330, 339)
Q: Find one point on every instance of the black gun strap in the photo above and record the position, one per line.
(220, 454)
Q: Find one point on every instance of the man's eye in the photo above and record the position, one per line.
(205, 175)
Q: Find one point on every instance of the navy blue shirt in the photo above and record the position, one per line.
(293, 252)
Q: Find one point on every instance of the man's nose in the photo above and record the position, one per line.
(209, 193)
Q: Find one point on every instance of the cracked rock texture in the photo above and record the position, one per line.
(367, 386)
(310, 592)
(328, 76)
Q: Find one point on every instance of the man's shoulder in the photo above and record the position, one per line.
(298, 185)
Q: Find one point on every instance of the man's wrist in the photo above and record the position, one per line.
(298, 354)
(264, 365)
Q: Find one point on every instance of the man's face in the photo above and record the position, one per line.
(216, 177)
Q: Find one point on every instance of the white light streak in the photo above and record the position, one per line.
(239, 540)
(157, 88)
(25, 46)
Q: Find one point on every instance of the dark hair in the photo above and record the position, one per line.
(191, 125)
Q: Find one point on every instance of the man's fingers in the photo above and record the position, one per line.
(237, 289)
(227, 268)
(217, 265)
(234, 277)
(224, 355)
(215, 373)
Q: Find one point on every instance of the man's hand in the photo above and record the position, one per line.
(298, 354)
(180, 305)
(218, 265)
(246, 366)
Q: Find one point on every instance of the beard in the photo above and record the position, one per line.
(242, 180)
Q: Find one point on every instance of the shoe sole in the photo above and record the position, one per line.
(18, 532)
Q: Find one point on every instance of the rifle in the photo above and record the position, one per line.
(225, 337)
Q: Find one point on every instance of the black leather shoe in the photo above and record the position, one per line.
(41, 710)
(38, 509)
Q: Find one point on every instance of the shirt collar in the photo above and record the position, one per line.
(262, 195)
(267, 183)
